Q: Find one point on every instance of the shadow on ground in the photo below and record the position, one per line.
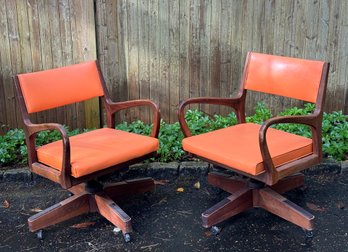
(167, 220)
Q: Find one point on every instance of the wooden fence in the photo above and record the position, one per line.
(40, 34)
(169, 50)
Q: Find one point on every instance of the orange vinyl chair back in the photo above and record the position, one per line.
(290, 77)
(62, 86)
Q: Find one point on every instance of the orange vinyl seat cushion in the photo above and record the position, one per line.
(97, 150)
(238, 147)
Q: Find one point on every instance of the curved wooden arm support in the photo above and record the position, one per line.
(113, 107)
(236, 103)
(33, 129)
(312, 120)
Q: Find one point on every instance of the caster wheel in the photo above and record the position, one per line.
(116, 230)
(127, 238)
(39, 234)
(308, 233)
(215, 230)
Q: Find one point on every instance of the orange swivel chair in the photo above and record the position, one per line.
(268, 160)
(75, 162)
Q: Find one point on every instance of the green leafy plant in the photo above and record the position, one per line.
(334, 133)
(261, 114)
(137, 127)
(170, 138)
(11, 147)
(298, 129)
(14, 150)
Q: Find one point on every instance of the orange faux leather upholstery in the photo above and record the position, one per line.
(58, 87)
(98, 149)
(238, 147)
(290, 77)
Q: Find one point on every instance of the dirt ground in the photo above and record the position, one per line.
(168, 220)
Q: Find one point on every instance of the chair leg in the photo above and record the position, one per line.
(69, 208)
(245, 195)
(92, 197)
(112, 212)
(288, 183)
(278, 205)
(234, 204)
(124, 189)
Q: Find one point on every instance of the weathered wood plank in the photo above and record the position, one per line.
(122, 38)
(154, 51)
(174, 57)
(184, 69)
(133, 55)
(144, 56)
(3, 121)
(34, 31)
(164, 59)
(340, 91)
(226, 54)
(215, 54)
(334, 54)
(204, 37)
(45, 47)
(194, 50)
(15, 62)
(84, 49)
(5, 61)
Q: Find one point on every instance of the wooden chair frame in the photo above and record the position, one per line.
(89, 195)
(262, 190)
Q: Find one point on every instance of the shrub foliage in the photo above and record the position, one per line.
(335, 133)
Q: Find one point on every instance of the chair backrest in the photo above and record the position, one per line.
(61, 86)
(285, 76)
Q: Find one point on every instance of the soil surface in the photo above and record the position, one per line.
(168, 220)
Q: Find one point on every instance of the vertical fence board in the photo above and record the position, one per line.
(215, 54)
(38, 35)
(174, 63)
(15, 61)
(144, 55)
(225, 51)
(154, 50)
(84, 49)
(204, 35)
(163, 80)
(184, 19)
(6, 72)
(133, 55)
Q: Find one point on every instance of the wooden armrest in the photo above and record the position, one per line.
(35, 128)
(113, 107)
(235, 103)
(312, 120)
